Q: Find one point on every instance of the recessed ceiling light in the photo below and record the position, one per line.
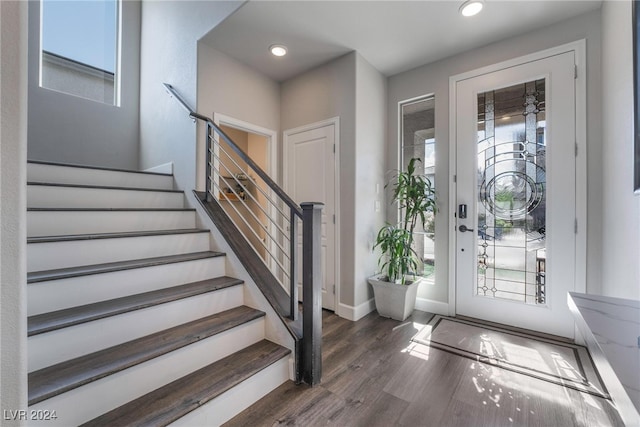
(471, 7)
(278, 50)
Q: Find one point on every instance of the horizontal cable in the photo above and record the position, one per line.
(275, 259)
(250, 179)
(266, 229)
(252, 214)
(269, 217)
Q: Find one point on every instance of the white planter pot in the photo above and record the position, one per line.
(394, 300)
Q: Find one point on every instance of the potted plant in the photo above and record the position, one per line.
(396, 287)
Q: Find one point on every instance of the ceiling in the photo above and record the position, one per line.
(394, 36)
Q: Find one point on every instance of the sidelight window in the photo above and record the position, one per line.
(417, 140)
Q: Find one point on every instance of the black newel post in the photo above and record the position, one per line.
(293, 266)
(312, 292)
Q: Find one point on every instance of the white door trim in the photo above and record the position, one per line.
(271, 135)
(335, 121)
(579, 49)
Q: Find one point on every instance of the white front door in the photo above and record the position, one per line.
(310, 177)
(515, 141)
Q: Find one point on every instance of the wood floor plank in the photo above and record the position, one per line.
(316, 408)
(372, 363)
(384, 411)
(265, 412)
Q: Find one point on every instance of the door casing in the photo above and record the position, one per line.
(579, 49)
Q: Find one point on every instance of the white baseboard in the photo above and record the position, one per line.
(163, 168)
(358, 312)
(431, 306)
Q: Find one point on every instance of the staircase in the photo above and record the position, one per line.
(132, 319)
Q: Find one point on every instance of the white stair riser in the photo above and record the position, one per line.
(86, 176)
(45, 349)
(73, 253)
(55, 295)
(237, 399)
(46, 196)
(58, 223)
(87, 402)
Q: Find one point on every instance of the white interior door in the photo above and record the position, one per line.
(515, 152)
(310, 177)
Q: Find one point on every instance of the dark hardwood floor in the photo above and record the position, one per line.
(373, 375)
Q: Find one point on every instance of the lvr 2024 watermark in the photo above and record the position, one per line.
(28, 414)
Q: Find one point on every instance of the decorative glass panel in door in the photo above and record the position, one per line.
(511, 193)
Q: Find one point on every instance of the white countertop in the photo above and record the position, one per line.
(611, 329)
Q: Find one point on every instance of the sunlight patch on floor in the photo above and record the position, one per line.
(418, 350)
(494, 381)
(565, 368)
(524, 356)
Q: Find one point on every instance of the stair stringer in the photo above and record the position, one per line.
(275, 329)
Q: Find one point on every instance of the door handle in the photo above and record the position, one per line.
(464, 228)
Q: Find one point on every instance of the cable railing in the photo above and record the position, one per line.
(240, 188)
(283, 235)
(263, 223)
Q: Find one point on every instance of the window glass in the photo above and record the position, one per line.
(79, 41)
(417, 139)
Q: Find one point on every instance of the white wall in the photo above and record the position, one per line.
(349, 88)
(371, 130)
(64, 128)
(320, 94)
(229, 87)
(621, 208)
(169, 53)
(13, 235)
(434, 79)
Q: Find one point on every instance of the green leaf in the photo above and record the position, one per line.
(415, 196)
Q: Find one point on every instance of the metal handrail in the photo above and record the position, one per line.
(309, 361)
